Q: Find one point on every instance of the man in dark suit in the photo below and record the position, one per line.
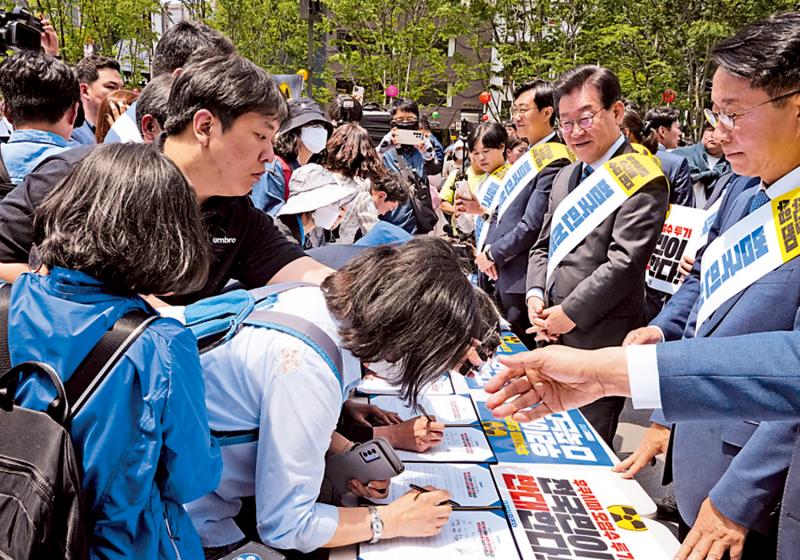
(664, 122)
(512, 235)
(718, 380)
(707, 163)
(595, 295)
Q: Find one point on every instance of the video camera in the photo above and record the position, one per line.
(20, 30)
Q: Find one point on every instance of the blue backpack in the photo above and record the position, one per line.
(216, 320)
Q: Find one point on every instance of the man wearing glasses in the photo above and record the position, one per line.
(419, 159)
(591, 294)
(709, 383)
(514, 230)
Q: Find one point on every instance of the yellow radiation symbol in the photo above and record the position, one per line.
(626, 518)
(494, 429)
(286, 90)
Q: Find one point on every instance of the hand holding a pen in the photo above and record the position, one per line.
(417, 514)
(417, 434)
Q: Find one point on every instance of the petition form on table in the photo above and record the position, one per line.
(474, 535)
(459, 445)
(469, 485)
(372, 385)
(453, 410)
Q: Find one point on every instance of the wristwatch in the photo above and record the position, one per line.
(376, 523)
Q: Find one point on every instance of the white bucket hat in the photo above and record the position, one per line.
(311, 187)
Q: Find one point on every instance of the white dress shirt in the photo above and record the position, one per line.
(275, 382)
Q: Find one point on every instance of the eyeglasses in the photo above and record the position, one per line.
(515, 111)
(405, 122)
(728, 120)
(468, 369)
(584, 123)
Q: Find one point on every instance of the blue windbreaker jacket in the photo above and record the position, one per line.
(142, 439)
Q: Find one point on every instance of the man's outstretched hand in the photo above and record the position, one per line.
(556, 378)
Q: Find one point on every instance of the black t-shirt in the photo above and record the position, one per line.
(245, 243)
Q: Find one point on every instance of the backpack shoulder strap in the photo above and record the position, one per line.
(6, 185)
(104, 356)
(262, 293)
(5, 355)
(302, 329)
(306, 331)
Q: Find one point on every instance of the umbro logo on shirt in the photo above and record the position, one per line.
(223, 240)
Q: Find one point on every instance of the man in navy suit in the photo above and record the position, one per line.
(511, 237)
(741, 466)
(758, 104)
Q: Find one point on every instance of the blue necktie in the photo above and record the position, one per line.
(759, 200)
(587, 170)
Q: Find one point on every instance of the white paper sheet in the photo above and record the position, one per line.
(469, 485)
(372, 385)
(474, 535)
(455, 410)
(464, 445)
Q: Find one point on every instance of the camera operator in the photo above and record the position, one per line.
(41, 95)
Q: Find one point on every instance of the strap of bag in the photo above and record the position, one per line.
(6, 185)
(5, 355)
(90, 374)
(302, 329)
(306, 331)
(260, 294)
(97, 364)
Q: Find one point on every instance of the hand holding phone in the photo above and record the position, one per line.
(409, 137)
(372, 460)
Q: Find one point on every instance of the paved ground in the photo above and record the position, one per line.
(632, 426)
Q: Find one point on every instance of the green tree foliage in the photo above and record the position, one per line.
(118, 28)
(403, 43)
(650, 45)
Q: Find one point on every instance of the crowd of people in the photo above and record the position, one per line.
(178, 204)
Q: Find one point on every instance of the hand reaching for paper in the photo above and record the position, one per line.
(556, 378)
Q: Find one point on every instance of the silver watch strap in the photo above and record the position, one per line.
(375, 523)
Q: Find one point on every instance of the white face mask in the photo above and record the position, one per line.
(390, 371)
(326, 216)
(314, 138)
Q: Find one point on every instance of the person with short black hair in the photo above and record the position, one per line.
(379, 309)
(174, 50)
(665, 121)
(41, 100)
(98, 76)
(222, 115)
(177, 45)
(590, 294)
(662, 125)
(123, 222)
(420, 160)
(151, 107)
(530, 115)
(516, 221)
